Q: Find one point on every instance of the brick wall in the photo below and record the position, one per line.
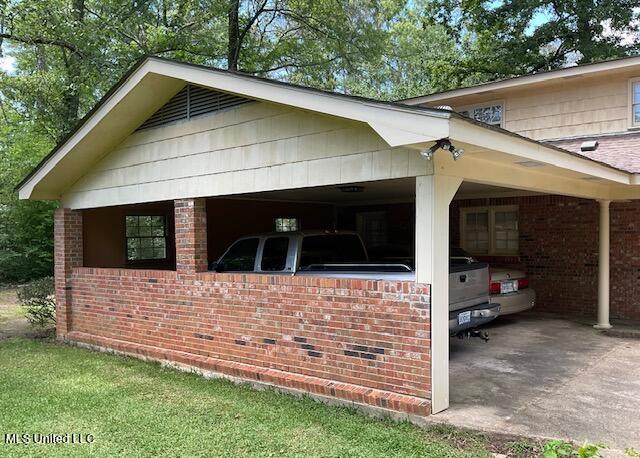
(559, 251)
(191, 235)
(362, 341)
(67, 247)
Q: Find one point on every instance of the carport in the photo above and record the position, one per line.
(253, 141)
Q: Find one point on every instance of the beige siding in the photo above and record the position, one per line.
(256, 147)
(569, 109)
(573, 107)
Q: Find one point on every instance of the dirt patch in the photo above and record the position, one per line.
(13, 322)
(499, 445)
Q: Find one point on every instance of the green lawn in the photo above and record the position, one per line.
(135, 408)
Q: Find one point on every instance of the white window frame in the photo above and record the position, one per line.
(491, 211)
(483, 105)
(630, 123)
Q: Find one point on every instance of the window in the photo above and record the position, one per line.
(635, 103)
(489, 114)
(146, 237)
(489, 230)
(241, 257)
(331, 249)
(274, 254)
(287, 224)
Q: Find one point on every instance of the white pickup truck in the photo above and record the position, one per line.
(341, 254)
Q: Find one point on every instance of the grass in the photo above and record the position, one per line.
(135, 408)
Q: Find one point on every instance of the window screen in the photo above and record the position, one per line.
(146, 237)
(274, 254)
(506, 231)
(330, 249)
(241, 257)
(477, 232)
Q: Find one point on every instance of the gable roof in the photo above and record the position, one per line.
(153, 81)
(532, 78)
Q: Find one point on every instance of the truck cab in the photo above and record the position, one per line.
(342, 254)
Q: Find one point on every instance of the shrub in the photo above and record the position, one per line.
(38, 297)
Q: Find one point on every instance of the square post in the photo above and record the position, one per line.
(433, 196)
(191, 235)
(67, 255)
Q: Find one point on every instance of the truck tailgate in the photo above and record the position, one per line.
(468, 285)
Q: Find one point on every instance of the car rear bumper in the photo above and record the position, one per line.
(515, 302)
(479, 315)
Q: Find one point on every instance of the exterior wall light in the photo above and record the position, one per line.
(444, 144)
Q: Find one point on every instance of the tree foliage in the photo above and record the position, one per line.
(513, 37)
(69, 52)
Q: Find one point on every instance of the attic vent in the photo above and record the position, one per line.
(190, 102)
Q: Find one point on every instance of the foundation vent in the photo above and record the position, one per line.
(190, 102)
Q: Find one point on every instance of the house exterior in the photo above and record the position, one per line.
(179, 160)
(568, 108)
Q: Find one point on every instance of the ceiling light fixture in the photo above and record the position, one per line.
(444, 144)
(352, 188)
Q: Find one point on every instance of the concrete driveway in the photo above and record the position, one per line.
(544, 376)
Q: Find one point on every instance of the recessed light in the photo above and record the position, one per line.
(531, 164)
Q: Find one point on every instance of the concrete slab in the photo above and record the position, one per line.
(547, 377)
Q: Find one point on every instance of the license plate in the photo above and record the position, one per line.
(508, 286)
(464, 317)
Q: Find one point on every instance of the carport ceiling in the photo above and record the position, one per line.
(400, 190)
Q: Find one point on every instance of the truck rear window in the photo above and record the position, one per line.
(331, 249)
(241, 257)
(274, 254)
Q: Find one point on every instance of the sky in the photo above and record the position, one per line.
(7, 64)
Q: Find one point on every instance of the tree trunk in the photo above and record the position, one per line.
(71, 98)
(233, 50)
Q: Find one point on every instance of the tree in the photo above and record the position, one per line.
(514, 37)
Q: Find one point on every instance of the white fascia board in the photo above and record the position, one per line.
(396, 125)
(485, 137)
(26, 190)
(565, 73)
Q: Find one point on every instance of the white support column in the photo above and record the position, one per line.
(433, 196)
(603, 266)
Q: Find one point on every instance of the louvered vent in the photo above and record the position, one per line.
(190, 102)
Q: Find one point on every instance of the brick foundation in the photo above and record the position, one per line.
(559, 252)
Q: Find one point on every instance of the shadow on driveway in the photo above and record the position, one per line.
(548, 377)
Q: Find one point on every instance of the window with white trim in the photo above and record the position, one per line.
(635, 103)
(490, 230)
(491, 114)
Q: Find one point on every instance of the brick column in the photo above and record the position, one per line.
(191, 235)
(68, 254)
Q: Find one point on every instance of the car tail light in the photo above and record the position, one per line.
(494, 287)
(523, 283)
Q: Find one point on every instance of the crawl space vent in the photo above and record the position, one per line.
(190, 102)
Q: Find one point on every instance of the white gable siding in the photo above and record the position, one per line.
(255, 147)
